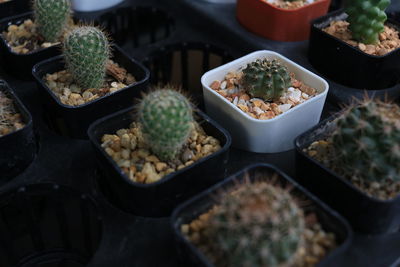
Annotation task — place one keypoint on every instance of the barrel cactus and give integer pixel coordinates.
(166, 120)
(366, 141)
(266, 79)
(86, 51)
(259, 224)
(366, 19)
(51, 17)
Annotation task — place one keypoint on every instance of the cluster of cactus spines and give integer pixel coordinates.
(266, 79)
(166, 121)
(259, 224)
(366, 141)
(86, 51)
(366, 19)
(51, 17)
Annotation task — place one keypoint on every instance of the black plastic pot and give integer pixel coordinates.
(48, 225)
(74, 121)
(160, 198)
(20, 65)
(18, 149)
(145, 25)
(366, 214)
(184, 64)
(330, 220)
(348, 65)
(13, 7)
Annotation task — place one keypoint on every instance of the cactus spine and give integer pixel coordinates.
(367, 19)
(259, 224)
(366, 141)
(51, 17)
(166, 121)
(86, 52)
(266, 79)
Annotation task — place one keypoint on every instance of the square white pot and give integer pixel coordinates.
(264, 136)
(93, 5)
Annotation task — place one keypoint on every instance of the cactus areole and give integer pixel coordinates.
(367, 19)
(51, 17)
(166, 121)
(266, 79)
(86, 51)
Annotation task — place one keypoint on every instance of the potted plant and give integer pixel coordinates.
(87, 83)
(11, 7)
(29, 38)
(358, 40)
(264, 100)
(278, 19)
(93, 5)
(17, 139)
(354, 155)
(255, 218)
(155, 158)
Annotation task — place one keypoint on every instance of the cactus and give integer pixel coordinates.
(51, 17)
(86, 51)
(259, 224)
(166, 121)
(266, 79)
(366, 19)
(366, 141)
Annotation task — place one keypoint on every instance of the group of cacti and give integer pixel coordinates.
(86, 49)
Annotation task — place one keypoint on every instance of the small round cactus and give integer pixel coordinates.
(86, 51)
(366, 141)
(166, 120)
(259, 224)
(366, 19)
(266, 79)
(51, 17)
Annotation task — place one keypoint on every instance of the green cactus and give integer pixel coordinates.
(366, 19)
(86, 51)
(166, 121)
(259, 224)
(51, 17)
(366, 141)
(266, 79)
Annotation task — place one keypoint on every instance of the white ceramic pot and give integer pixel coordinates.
(264, 136)
(93, 5)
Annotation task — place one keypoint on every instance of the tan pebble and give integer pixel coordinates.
(383, 51)
(160, 166)
(142, 153)
(207, 149)
(244, 97)
(12, 28)
(312, 153)
(189, 162)
(152, 159)
(362, 46)
(222, 92)
(170, 170)
(150, 172)
(117, 155)
(180, 167)
(185, 228)
(243, 107)
(24, 50)
(125, 154)
(230, 84)
(75, 89)
(257, 102)
(140, 177)
(112, 90)
(121, 132)
(215, 85)
(116, 144)
(109, 151)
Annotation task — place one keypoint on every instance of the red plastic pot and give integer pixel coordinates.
(279, 24)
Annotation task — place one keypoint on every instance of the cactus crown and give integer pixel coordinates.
(366, 141)
(258, 224)
(52, 17)
(86, 51)
(367, 19)
(166, 120)
(266, 79)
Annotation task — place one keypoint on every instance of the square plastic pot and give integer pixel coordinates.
(20, 65)
(18, 148)
(160, 198)
(13, 7)
(330, 220)
(348, 65)
(279, 24)
(366, 214)
(264, 136)
(74, 121)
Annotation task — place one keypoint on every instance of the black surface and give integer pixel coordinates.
(137, 241)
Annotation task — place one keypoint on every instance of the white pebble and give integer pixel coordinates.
(114, 84)
(290, 89)
(235, 101)
(258, 110)
(284, 107)
(305, 96)
(223, 85)
(256, 99)
(242, 102)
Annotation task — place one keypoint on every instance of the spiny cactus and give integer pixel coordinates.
(86, 51)
(51, 17)
(366, 19)
(266, 79)
(366, 141)
(259, 224)
(166, 121)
